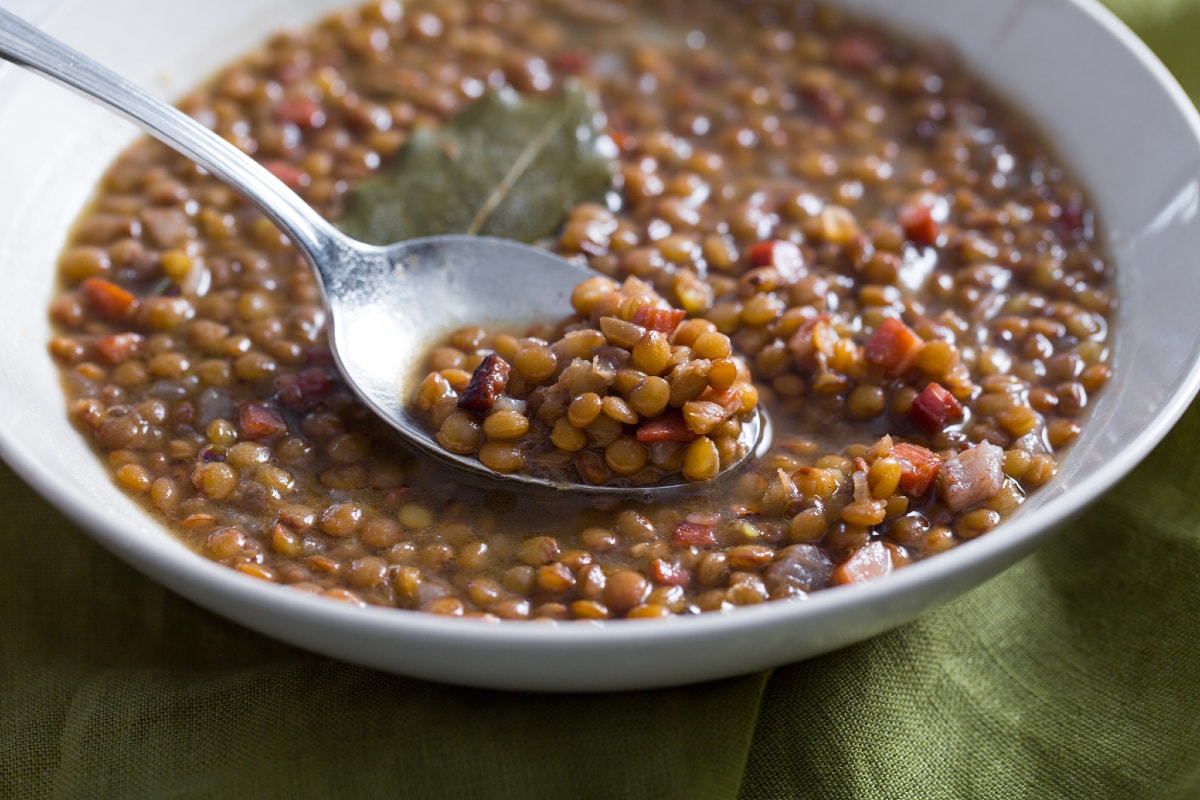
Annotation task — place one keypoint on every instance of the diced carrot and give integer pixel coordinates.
(692, 534)
(663, 320)
(259, 421)
(871, 560)
(918, 467)
(918, 223)
(784, 256)
(106, 297)
(934, 408)
(669, 573)
(118, 347)
(666, 427)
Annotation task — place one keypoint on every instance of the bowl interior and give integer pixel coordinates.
(1109, 109)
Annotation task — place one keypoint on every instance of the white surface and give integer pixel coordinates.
(1093, 88)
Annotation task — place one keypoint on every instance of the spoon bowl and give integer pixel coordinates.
(443, 283)
(387, 304)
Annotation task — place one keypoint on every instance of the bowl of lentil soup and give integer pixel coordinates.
(792, 235)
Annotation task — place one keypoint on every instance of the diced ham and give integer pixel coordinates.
(861, 51)
(292, 176)
(667, 427)
(487, 383)
(624, 140)
(828, 104)
(893, 346)
(570, 61)
(301, 112)
(971, 476)
(694, 534)
(784, 256)
(259, 421)
(918, 223)
(669, 573)
(663, 320)
(815, 337)
(872, 560)
(935, 408)
(729, 399)
(302, 391)
(919, 467)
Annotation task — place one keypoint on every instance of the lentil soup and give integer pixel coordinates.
(914, 282)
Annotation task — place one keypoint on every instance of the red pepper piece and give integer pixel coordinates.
(258, 421)
(663, 320)
(487, 383)
(111, 301)
(893, 346)
(918, 467)
(934, 408)
(666, 427)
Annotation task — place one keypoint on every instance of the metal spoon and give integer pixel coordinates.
(386, 305)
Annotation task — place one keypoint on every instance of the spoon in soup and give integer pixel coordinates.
(386, 305)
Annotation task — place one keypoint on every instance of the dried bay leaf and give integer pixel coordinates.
(507, 165)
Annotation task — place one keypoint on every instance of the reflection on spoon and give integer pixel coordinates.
(386, 304)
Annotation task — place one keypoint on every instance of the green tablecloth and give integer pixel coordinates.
(1074, 675)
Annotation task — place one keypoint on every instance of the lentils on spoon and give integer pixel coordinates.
(626, 392)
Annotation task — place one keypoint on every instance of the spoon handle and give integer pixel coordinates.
(27, 46)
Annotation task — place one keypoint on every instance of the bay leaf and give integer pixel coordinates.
(507, 165)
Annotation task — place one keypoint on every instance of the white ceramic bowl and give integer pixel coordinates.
(1104, 101)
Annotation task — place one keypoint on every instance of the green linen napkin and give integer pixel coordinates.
(1075, 674)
